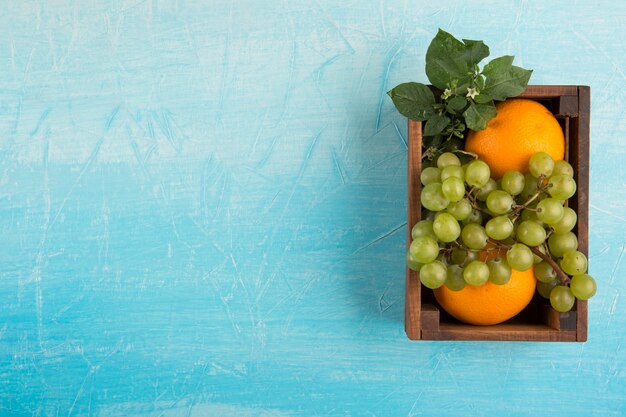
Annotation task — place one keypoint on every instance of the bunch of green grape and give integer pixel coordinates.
(522, 218)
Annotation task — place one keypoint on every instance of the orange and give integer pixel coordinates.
(489, 303)
(520, 129)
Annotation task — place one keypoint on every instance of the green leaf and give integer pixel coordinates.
(413, 100)
(478, 115)
(483, 98)
(457, 103)
(431, 141)
(503, 79)
(475, 51)
(446, 60)
(435, 125)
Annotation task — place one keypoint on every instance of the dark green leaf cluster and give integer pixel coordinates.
(465, 93)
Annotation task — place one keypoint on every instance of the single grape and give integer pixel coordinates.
(462, 257)
(520, 257)
(499, 202)
(412, 262)
(541, 164)
(476, 273)
(544, 272)
(477, 173)
(484, 191)
(452, 171)
(561, 187)
(573, 262)
(561, 299)
(460, 209)
(530, 188)
(583, 286)
(446, 159)
(567, 222)
(559, 243)
(422, 228)
(453, 188)
(544, 288)
(499, 271)
(433, 274)
(531, 233)
(550, 210)
(432, 197)
(474, 236)
(499, 227)
(454, 278)
(513, 182)
(430, 175)
(446, 227)
(424, 249)
(562, 167)
(475, 217)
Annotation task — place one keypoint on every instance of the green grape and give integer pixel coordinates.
(530, 214)
(476, 273)
(550, 211)
(446, 159)
(475, 217)
(432, 197)
(531, 233)
(559, 243)
(513, 182)
(499, 202)
(499, 271)
(544, 288)
(499, 227)
(583, 286)
(561, 187)
(477, 173)
(567, 222)
(454, 278)
(562, 167)
(520, 257)
(424, 249)
(462, 257)
(544, 272)
(433, 274)
(530, 187)
(561, 299)
(451, 171)
(422, 228)
(573, 262)
(412, 263)
(453, 188)
(446, 227)
(474, 236)
(430, 175)
(460, 209)
(485, 190)
(541, 164)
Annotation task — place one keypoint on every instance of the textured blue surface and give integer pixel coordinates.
(202, 210)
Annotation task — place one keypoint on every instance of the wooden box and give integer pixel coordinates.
(424, 320)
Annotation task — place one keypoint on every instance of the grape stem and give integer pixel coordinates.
(559, 272)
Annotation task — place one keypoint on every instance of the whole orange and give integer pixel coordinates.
(520, 129)
(489, 303)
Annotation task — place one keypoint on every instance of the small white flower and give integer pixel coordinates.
(472, 92)
(446, 93)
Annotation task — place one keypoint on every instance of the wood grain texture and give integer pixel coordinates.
(203, 210)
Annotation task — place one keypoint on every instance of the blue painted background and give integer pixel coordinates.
(202, 210)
